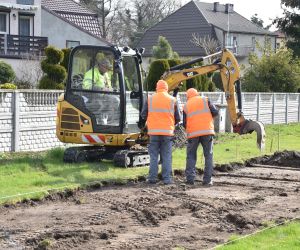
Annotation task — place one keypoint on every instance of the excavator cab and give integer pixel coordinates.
(102, 101)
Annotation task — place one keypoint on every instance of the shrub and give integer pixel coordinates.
(163, 49)
(174, 62)
(54, 55)
(217, 80)
(55, 73)
(60, 86)
(8, 86)
(272, 72)
(7, 73)
(156, 70)
(47, 83)
(65, 61)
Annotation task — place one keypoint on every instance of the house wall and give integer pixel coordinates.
(26, 69)
(14, 21)
(244, 44)
(59, 31)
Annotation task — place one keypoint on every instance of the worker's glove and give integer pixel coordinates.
(178, 125)
(141, 123)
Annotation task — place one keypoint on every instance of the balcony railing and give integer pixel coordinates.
(240, 50)
(14, 45)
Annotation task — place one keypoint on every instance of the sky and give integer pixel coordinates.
(265, 9)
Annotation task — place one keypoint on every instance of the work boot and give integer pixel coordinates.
(151, 182)
(190, 182)
(169, 182)
(207, 184)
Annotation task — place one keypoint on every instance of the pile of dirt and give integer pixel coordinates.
(228, 167)
(284, 159)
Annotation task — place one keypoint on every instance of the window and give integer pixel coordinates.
(278, 45)
(26, 2)
(72, 44)
(95, 81)
(25, 25)
(3, 23)
(253, 42)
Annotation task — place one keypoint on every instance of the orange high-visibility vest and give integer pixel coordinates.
(199, 120)
(161, 120)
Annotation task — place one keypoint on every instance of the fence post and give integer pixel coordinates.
(16, 121)
(286, 108)
(258, 107)
(273, 108)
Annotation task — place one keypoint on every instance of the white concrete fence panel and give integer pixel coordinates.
(27, 117)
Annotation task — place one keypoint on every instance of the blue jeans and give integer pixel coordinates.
(160, 145)
(191, 158)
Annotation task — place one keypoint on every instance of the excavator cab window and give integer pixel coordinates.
(94, 88)
(133, 91)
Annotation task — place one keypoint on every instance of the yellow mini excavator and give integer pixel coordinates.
(105, 116)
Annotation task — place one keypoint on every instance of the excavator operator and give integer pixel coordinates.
(100, 73)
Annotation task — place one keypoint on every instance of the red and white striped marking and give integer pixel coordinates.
(93, 138)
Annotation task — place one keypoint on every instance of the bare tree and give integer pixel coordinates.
(135, 17)
(30, 70)
(107, 12)
(208, 43)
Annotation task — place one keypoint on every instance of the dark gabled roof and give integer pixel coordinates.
(178, 29)
(237, 23)
(199, 18)
(76, 15)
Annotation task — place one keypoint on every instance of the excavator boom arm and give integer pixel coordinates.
(230, 75)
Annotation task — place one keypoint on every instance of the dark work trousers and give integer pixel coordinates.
(160, 145)
(191, 159)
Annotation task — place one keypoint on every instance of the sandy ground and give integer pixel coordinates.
(143, 216)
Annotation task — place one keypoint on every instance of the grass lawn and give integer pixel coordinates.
(23, 174)
(281, 237)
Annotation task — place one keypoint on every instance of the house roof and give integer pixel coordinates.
(199, 18)
(66, 6)
(76, 15)
(237, 23)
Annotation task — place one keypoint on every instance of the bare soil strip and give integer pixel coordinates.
(143, 216)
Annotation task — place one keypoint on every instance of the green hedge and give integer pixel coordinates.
(65, 61)
(156, 70)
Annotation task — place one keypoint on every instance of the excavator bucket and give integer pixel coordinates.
(259, 128)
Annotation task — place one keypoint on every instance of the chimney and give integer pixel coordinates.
(228, 8)
(216, 6)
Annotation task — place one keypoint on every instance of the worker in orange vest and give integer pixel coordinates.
(162, 113)
(198, 115)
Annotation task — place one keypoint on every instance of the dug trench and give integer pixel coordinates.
(138, 215)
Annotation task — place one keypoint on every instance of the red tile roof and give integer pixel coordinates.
(75, 14)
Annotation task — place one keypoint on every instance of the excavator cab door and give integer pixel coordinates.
(133, 93)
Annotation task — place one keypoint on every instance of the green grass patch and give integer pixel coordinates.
(282, 237)
(28, 173)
